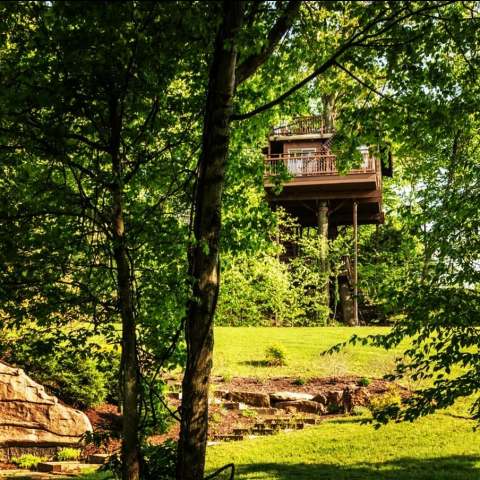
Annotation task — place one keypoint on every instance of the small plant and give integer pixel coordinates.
(275, 356)
(248, 412)
(364, 382)
(299, 381)
(68, 454)
(382, 402)
(216, 417)
(359, 411)
(159, 461)
(28, 461)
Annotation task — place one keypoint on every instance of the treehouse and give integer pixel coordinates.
(301, 175)
(301, 152)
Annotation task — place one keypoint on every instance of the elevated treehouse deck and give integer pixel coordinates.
(302, 151)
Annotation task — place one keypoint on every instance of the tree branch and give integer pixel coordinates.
(324, 67)
(366, 85)
(356, 39)
(251, 64)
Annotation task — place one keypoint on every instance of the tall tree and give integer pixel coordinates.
(204, 258)
(97, 139)
(361, 31)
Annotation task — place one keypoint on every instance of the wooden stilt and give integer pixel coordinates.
(355, 263)
(323, 251)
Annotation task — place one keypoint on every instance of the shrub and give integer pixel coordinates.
(364, 382)
(299, 381)
(386, 401)
(160, 461)
(28, 461)
(66, 454)
(276, 356)
(359, 411)
(249, 413)
(80, 375)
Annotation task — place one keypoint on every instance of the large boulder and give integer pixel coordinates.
(290, 396)
(254, 399)
(30, 417)
(306, 406)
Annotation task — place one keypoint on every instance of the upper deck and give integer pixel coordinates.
(302, 151)
(318, 168)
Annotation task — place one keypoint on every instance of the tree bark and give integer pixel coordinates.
(204, 258)
(130, 375)
(323, 253)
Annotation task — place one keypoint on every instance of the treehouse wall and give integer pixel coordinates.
(287, 146)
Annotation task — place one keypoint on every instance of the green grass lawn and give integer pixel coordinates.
(239, 351)
(440, 447)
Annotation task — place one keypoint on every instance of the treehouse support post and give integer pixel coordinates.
(323, 251)
(355, 263)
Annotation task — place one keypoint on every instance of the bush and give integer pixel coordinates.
(364, 382)
(276, 356)
(68, 454)
(299, 381)
(359, 411)
(386, 401)
(159, 461)
(256, 291)
(28, 461)
(80, 375)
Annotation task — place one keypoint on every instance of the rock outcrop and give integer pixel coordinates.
(307, 406)
(289, 396)
(29, 417)
(255, 399)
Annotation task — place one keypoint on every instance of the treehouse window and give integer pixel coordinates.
(298, 161)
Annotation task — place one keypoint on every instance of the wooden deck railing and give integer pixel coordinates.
(303, 126)
(308, 164)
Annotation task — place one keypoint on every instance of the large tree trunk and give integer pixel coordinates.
(130, 375)
(204, 259)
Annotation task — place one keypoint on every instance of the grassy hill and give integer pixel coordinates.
(240, 351)
(440, 447)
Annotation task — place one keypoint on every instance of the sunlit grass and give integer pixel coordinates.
(443, 446)
(240, 351)
(439, 447)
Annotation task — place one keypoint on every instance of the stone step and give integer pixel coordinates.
(220, 393)
(228, 438)
(241, 431)
(65, 467)
(273, 421)
(311, 421)
(266, 410)
(263, 431)
(24, 475)
(99, 458)
(174, 395)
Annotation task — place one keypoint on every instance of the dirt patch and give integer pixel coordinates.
(106, 421)
(105, 417)
(224, 421)
(312, 386)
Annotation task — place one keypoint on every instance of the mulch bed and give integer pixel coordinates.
(106, 418)
(312, 386)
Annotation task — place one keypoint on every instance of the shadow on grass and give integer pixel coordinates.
(255, 363)
(457, 467)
